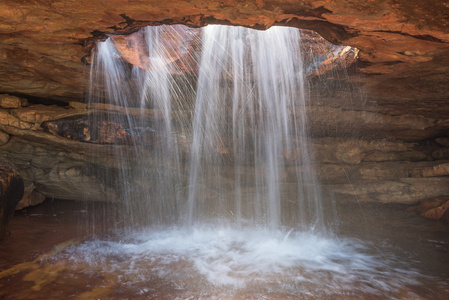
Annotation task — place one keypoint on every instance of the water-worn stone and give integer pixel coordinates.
(355, 151)
(98, 128)
(77, 105)
(435, 208)
(11, 191)
(403, 190)
(30, 197)
(9, 120)
(43, 55)
(337, 121)
(403, 95)
(180, 42)
(441, 154)
(37, 113)
(60, 174)
(4, 138)
(8, 101)
(443, 142)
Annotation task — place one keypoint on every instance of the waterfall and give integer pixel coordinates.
(140, 99)
(250, 115)
(205, 140)
(247, 159)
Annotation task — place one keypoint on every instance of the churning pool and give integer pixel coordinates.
(376, 252)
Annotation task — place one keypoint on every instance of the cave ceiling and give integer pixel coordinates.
(404, 44)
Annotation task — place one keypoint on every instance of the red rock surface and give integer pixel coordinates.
(179, 44)
(404, 45)
(436, 208)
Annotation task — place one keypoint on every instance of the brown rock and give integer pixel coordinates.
(443, 142)
(24, 102)
(30, 196)
(326, 120)
(11, 191)
(77, 105)
(8, 101)
(403, 44)
(437, 212)
(435, 208)
(404, 190)
(349, 153)
(63, 174)
(395, 156)
(428, 204)
(438, 170)
(36, 114)
(445, 217)
(355, 151)
(99, 128)
(441, 154)
(9, 120)
(179, 42)
(4, 138)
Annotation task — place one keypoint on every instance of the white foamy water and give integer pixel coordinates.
(234, 259)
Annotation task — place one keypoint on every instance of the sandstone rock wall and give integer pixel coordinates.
(361, 163)
(388, 144)
(403, 45)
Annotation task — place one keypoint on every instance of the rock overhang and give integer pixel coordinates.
(403, 45)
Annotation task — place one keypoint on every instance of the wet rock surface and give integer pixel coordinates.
(101, 128)
(58, 159)
(387, 144)
(435, 208)
(403, 45)
(11, 192)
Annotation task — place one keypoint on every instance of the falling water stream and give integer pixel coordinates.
(249, 112)
(246, 130)
(219, 195)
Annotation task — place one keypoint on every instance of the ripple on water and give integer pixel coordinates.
(226, 261)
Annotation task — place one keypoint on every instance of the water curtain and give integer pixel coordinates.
(216, 123)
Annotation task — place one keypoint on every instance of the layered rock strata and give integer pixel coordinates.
(58, 158)
(388, 144)
(434, 208)
(403, 45)
(11, 191)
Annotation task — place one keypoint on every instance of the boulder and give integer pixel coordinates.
(435, 208)
(11, 191)
(30, 197)
(443, 142)
(8, 101)
(4, 138)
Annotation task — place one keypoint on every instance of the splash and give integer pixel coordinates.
(214, 171)
(230, 135)
(226, 261)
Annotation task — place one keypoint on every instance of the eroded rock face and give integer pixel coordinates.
(181, 46)
(8, 101)
(387, 144)
(11, 191)
(67, 163)
(98, 128)
(435, 208)
(403, 45)
(31, 197)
